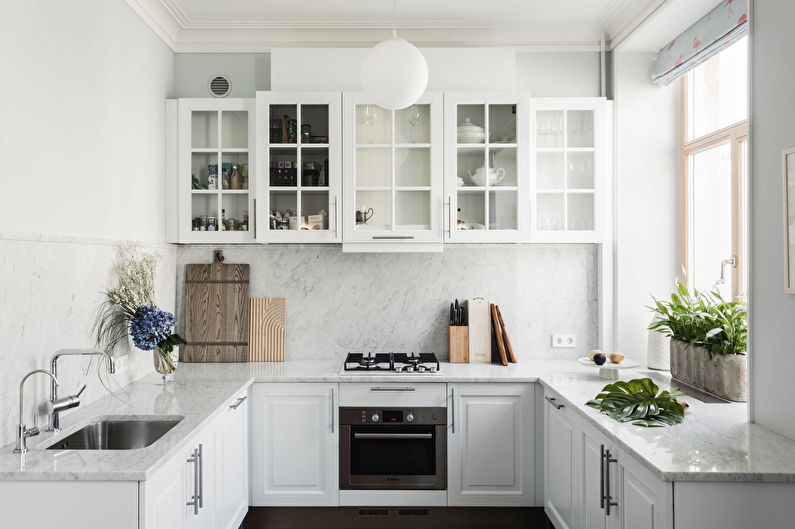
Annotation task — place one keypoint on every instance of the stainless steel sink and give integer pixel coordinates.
(117, 434)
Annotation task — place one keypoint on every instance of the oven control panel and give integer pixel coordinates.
(352, 415)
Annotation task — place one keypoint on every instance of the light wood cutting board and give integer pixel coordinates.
(216, 313)
(266, 341)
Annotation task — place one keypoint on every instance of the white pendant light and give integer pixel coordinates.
(394, 74)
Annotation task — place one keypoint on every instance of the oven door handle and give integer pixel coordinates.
(382, 388)
(393, 435)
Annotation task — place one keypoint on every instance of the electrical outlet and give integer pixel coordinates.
(120, 363)
(564, 340)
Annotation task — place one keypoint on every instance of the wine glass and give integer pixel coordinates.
(370, 115)
(414, 119)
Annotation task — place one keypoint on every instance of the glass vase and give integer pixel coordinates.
(165, 363)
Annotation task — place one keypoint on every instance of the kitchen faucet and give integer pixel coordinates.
(71, 401)
(23, 432)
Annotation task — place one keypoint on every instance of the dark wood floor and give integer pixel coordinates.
(395, 518)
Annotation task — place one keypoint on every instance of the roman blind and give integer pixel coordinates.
(725, 24)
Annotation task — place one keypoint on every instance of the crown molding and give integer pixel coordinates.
(170, 23)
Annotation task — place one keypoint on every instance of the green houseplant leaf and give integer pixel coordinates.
(639, 401)
(703, 319)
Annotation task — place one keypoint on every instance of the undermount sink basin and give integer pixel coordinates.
(117, 434)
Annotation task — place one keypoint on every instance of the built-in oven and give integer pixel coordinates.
(393, 448)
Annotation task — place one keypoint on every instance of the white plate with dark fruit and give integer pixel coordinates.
(608, 364)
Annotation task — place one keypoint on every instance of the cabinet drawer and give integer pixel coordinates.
(393, 394)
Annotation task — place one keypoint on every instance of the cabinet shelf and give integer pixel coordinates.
(493, 145)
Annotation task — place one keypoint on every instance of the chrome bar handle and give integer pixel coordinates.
(392, 237)
(239, 402)
(358, 435)
(195, 501)
(552, 400)
(602, 477)
(609, 503)
(452, 406)
(336, 219)
(332, 409)
(201, 476)
(382, 388)
(449, 216)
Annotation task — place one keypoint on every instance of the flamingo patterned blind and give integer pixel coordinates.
(725, 24)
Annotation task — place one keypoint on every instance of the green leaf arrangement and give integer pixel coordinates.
(703, 319)
(638, 401)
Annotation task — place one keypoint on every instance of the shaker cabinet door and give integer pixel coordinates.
(490, 445)
(294, 449)
(560, 464)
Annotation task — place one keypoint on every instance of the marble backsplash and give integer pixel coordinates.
(50, 290)
(338, 302)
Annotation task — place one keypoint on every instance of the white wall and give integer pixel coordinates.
(83, 134)
(82, 137)
(772, 334)
(647, 197)
(545, 74)
(248, 72)
(559, 74)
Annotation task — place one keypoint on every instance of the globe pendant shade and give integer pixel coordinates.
(394, 74)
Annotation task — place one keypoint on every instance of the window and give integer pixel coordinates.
(714, 169)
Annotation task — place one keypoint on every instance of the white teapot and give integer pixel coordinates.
(478, 178)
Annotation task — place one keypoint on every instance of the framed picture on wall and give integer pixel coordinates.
(788, 165)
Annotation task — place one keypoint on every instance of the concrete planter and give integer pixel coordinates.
(725, 376)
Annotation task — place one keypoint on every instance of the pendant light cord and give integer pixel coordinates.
(394, 11)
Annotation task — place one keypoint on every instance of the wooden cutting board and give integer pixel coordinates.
(216, 313)
(266, 341)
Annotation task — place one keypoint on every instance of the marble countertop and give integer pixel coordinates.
(715, 442)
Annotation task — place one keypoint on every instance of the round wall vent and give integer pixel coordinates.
(220, 86)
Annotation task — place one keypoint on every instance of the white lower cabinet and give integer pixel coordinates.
(294, 449)
(206, 486)
(592, 484)
(231, 465)
(560, 463)
(490, 445)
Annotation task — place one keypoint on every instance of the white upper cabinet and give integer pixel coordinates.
(212, 156)
(486, 172)
(570, 161)
(298, 139)
(393, 175)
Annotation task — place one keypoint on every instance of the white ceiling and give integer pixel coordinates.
(259, 25)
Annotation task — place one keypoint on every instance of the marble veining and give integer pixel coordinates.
(339, 302)
(50, 290)
(715, 443)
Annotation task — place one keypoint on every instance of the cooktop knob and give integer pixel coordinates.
(410, 418)
(398, 369)
(409, 368)
(421, 369)
(375, 417)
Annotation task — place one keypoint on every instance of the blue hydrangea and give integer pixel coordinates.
(151, 327)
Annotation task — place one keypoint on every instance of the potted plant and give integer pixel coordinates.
(709, 341)
(129, 310)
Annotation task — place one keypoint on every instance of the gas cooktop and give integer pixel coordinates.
(372, 362)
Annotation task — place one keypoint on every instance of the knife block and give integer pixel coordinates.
(459, 343)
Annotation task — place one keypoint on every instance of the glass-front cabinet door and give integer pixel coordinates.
(486, 166)
(393, 175)
(298, 141)
(216, 170)
(570, 139)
